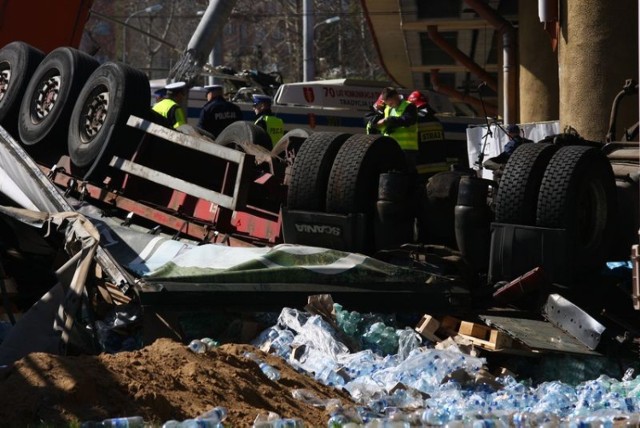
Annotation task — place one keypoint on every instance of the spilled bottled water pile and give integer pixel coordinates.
(399, 380)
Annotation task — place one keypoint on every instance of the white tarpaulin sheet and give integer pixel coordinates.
(165, 259)
(158, 258)
(497, 139)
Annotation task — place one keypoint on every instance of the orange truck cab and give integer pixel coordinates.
(43, 24)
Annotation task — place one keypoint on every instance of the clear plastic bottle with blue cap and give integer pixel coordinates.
(197, 346)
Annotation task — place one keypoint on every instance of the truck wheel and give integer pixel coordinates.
(242, 133)
(518, 191)
(48, 102)
(98, 127)
(18, 62)
(578, 193)
(354, 178)
(310, 174)
(436, 223)
(295, 137)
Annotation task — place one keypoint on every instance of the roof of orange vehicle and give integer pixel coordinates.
(44, 24)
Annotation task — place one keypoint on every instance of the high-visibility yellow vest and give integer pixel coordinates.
(275, 127)
(172, 111)
(406, 136)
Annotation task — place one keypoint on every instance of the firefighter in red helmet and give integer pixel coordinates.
(429, 126)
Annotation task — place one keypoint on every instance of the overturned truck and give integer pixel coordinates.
(564, 204)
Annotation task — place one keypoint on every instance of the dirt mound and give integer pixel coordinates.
(160, 382)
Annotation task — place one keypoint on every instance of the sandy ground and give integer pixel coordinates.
(163, 381)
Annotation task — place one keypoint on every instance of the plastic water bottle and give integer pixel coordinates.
(628, 375)
(91, 424)
(218, 414)
(288, 423)
(197, 346)
(265, 420)
(209, 343)
(126, 422)
(271, 372)
(198, 423)
(338, 421)
(309, 397)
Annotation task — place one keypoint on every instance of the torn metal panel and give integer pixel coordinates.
(538, 335)
(49, 324)
(568, 317)
(45, 196)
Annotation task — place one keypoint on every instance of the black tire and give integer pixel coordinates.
(98, 127)
(311, 169)
(354, 178)
(242, 133)
(578, 193)
(295, 137)
(517, 196)
(18, 62)
(49, 99)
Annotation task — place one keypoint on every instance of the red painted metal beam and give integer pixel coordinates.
(185, 227)
(461, 57)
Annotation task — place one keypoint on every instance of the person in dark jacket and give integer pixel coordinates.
(217, 113)
(497, 163)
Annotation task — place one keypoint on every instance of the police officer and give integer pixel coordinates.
(400, 123)
(217, 113)
(170, 107)
(273, 125)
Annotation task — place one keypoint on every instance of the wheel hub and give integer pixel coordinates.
(96, 114)
(47, 97)
(5, 79)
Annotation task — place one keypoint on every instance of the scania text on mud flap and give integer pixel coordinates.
(318, 229)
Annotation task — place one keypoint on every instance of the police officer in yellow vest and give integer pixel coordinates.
(274, 126)
(400, 122)
(170, 107)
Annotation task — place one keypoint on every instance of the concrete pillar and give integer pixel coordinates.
(598, 50)
(539, 98)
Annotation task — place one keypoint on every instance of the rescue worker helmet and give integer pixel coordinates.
(418, 99)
